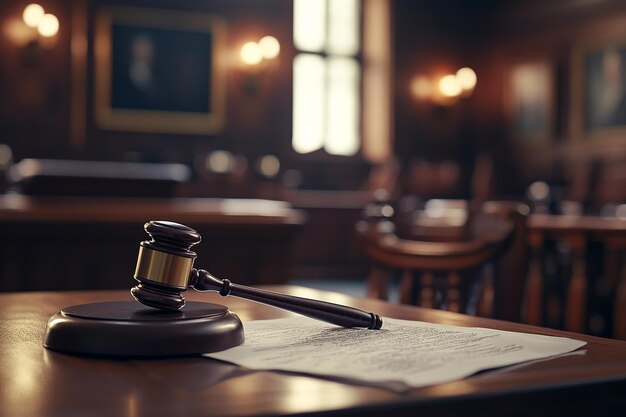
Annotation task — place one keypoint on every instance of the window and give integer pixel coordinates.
(327, 76)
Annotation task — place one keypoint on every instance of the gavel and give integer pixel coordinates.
(165, 270)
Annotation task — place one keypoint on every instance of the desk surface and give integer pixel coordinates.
(15, 207)
(38, 382)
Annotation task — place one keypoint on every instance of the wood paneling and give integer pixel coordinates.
(36, 92)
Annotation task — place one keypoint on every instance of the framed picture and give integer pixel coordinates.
(529, 95)
(599, 88)
(159, 71)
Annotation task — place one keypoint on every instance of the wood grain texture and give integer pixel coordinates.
(54, 243)
(38, 382)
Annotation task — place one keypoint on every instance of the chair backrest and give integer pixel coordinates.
(453, 275)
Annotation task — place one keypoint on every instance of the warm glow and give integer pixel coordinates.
(32, 15)
(270, 47)
(326, 93)
(269, 166)
(309, 24)
(220, 162)
(251, 53)
(376, 100)
(466, 78)
(17, 31)
(342, 111)
(343, 27)
(421, 87)
(539, 190)
(449, 86)
(48, 26)
(309, 101)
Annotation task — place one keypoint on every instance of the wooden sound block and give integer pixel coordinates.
(129, 329)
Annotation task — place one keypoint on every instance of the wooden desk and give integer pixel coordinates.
(92, 243)
(41, 383)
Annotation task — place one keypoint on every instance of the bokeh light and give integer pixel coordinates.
(48, 26)
(32, 15)
(220, 162)
(270, 47)
(269, 166)
(449, 86)
(251, 53)
(466, 77)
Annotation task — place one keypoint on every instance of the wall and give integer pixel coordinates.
(557, 33)
(36, 94)
(491, 37)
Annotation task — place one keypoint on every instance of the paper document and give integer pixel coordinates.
(410, 352)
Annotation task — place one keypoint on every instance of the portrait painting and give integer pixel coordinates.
(159, 71)
(604, 87)
(530, 99)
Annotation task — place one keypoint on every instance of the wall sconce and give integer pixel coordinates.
(46, 24)
(35, 31)
(255, 57)
(446, 89)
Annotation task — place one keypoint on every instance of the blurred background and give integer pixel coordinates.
(272, 125)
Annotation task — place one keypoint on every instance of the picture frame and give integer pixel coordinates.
(598, 91)
(530, 101)
(159, 71)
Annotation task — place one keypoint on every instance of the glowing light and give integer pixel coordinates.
(6, 156)
(466, 78)
(251, 53)
(270, 47)
(17, 31)
(309, 100)
(539, 190)
(269, 166)
(32, 15)
(220, 162)
(343, 27)
(421, 87)
(449, 86)
(342, 115)
(387, 211)
(48, 26)
(309, 24)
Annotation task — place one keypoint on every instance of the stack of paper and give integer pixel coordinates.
(407, 352)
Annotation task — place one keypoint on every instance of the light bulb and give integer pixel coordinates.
(270, 47)
(251, 53)
(449, 86)
(466, 78)
(48, 25)
(32, 15)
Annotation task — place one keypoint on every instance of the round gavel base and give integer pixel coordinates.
(129, 329)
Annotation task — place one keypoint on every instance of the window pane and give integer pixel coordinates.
(343, 27)
(343, 106)
(308, 102)
(309, 25)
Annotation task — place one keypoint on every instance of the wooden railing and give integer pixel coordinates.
(577, 273)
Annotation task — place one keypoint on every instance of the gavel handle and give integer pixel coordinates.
(337, 314)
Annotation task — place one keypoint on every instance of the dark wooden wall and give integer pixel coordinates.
(555, 31)
(35, 97)
(490, 36)
(37, 89)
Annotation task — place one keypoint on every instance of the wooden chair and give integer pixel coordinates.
(450, 275)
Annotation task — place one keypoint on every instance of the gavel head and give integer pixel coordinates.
(164, 265)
